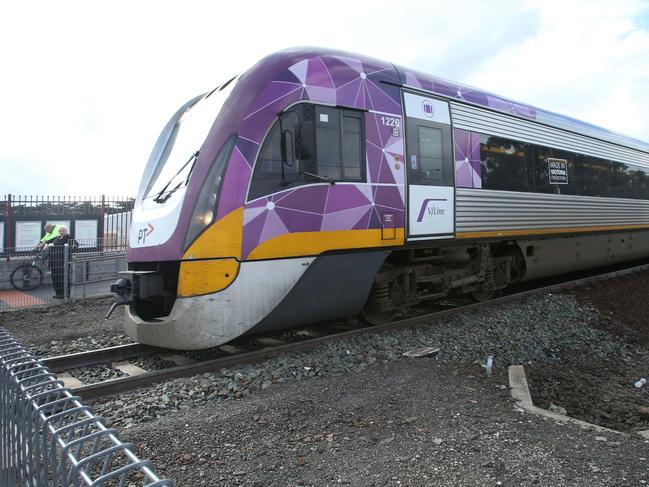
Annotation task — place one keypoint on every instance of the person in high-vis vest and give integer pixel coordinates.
(51, 234)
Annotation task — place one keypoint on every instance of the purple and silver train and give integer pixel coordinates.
(323, 184)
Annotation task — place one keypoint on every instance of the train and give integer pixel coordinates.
(322, 184)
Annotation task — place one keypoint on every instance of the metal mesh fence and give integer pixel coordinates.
(30, 280)
(98, 228)
(48, 437)
(99, 223)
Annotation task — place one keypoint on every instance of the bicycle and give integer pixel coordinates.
(27, 277)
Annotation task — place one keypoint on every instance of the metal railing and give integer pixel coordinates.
(28, 280)
(48, 437)
(100, 223)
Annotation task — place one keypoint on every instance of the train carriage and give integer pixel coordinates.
(322, 184)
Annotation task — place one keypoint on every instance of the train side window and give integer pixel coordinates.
(620, 186)
(339, 143)
(597, 175)
(639, 181)
(320, 143)
(352, 145)
(328, 143)
(431, 153)
(510, 165)
(504, 164)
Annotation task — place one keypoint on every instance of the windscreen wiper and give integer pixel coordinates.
(320, 177)
(164, 195)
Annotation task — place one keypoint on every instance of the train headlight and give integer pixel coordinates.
(205, 206)
(207, 218)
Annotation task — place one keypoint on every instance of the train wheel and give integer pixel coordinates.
(374, 317)
(380, 293)
(482, 296)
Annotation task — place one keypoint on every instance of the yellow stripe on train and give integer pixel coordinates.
(314, 243)
(222, 239)
(198, 277)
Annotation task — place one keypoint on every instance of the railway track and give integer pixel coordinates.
(271, 347)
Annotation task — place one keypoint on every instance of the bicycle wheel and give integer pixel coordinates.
(26, 277)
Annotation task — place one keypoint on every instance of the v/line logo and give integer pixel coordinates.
(431, 210)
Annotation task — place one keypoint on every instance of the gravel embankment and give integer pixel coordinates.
(536, 332)
(416, 422)
(357, 412)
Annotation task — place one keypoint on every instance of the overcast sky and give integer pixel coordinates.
(86, 86)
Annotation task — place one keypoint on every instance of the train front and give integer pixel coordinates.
(244, 222)
(177, 251)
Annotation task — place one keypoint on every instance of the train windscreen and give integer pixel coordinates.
(181, 150)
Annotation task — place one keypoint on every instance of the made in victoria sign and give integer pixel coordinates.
(558, 171)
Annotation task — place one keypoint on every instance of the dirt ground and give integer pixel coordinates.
(415, 422)
(597, 389)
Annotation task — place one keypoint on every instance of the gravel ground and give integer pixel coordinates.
(358, 412)
(596, 387)
(416, 422)
(66, 328)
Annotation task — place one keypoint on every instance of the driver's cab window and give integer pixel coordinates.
(310, 144)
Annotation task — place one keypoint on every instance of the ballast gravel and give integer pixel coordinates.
(357, 412)
(96, 373)
(61, 329)
(532, 332)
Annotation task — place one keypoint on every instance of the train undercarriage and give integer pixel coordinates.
(412, 276)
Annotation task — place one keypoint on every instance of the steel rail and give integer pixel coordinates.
(123, 384)
(93, 357)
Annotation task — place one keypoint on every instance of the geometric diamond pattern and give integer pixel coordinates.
(468, 170)
(336, 80)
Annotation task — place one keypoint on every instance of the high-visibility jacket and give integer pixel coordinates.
(51, 235)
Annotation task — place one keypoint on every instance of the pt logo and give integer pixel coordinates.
(432, 210)
(428, 108)
(143, 233)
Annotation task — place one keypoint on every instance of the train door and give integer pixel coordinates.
(429, 159)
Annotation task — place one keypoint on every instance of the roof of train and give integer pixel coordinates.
(463, 93)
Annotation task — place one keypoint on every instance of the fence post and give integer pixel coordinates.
(66, 272)
(102, 213)
(8, 226)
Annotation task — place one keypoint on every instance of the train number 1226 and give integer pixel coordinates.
(391, 121)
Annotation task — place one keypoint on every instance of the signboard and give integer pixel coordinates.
(85, 232)
(558, 171)
(28, 234)
(431, 210)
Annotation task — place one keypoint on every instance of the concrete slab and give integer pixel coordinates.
(519, 387)
(178, 359)
(128, 368)
(232, 350)
(68, 380)
(521, 394)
